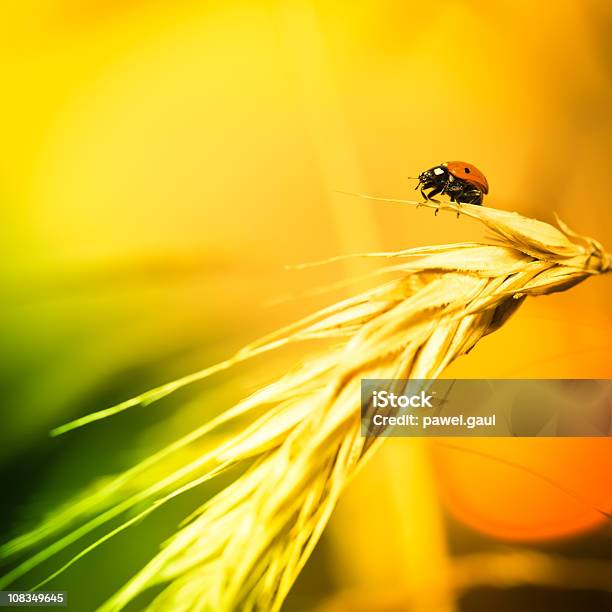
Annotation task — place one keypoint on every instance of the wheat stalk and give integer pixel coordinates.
(244, 548)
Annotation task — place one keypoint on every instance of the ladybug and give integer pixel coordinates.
(462, 182)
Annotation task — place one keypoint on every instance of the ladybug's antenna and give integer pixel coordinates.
(415, 178)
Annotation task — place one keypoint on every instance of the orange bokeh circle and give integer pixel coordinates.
(525, 489)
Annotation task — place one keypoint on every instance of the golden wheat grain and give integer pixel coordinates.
(244, 547)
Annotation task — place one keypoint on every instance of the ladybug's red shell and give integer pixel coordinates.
(468, 173)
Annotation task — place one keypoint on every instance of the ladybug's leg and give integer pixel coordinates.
(429, 196)
(448, 189)
(434, 192)
(456, 190)
(470, 196)
(474, 197)
(424, 196)
(458, 197)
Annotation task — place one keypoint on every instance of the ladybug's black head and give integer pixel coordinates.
(433, 176)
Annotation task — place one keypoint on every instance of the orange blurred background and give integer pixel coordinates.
(163, 161)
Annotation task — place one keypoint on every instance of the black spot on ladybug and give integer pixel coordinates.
(467, 170)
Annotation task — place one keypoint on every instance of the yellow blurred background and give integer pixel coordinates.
(162, 162)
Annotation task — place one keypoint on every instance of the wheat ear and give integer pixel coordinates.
(244, 548)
